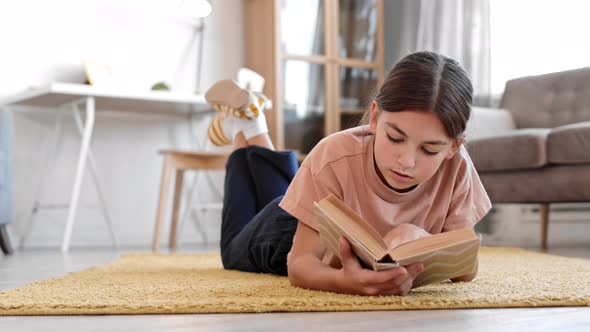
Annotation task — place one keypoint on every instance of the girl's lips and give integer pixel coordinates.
(401, 177)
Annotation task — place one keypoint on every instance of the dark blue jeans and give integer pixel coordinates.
(256, 234)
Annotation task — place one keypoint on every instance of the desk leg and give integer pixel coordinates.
(96, 178)
(87, 135)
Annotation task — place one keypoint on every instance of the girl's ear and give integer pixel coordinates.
(373, 116)
(456, 145)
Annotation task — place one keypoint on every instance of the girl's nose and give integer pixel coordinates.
(407, 159)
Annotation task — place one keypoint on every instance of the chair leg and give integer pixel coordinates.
(544, 225)
(176, 208)
(164, 184)
(5, 241)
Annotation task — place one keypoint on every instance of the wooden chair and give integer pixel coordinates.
(178, 162)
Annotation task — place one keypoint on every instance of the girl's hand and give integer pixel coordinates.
(360, 281)
(404, 233)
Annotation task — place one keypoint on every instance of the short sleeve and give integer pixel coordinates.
(305, 189)
(469, 202)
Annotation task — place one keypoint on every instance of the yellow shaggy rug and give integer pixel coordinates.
(196, 283)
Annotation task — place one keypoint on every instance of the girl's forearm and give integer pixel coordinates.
(307, 271)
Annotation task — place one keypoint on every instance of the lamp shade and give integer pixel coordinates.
(196, 8)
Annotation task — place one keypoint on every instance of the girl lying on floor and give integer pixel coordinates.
(406, 172)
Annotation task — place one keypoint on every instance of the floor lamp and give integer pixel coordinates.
(198, 9)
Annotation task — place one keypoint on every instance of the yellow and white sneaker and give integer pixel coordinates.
(239, 111)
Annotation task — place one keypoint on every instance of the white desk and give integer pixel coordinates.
(58, 94)
(66, 95)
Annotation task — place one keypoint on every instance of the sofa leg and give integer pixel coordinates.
(4, 241)
(544, 225)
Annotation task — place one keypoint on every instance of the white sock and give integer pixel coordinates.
(225, 127)
(233, 125)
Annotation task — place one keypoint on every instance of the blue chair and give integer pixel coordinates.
(6, 176)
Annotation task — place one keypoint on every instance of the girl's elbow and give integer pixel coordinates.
(294, 280)
(292, 272)
(292, 275)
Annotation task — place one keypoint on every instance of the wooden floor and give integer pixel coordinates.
(25, 267)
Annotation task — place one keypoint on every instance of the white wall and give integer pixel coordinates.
(144, 42)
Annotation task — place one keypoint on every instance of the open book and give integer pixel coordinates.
(446, 255)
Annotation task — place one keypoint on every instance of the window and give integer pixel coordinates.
(532, 37)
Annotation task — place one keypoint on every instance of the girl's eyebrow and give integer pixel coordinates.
(396, 128)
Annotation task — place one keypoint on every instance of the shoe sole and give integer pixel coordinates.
(227, 92)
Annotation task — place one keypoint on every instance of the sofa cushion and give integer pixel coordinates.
(487, 121)
(569, 144)
(518, 149)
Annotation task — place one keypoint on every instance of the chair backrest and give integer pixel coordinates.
(549, 100)
(6, 165)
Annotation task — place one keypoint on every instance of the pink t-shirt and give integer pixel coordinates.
(342, 164)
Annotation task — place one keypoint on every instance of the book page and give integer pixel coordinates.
(431, 242)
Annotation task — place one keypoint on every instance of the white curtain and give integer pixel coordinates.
(459, 29)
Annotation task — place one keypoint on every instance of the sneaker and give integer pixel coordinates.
(227, 96)
(239, 111)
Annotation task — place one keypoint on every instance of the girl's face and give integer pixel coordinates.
(409, 146)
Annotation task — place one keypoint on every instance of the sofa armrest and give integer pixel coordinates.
(486, 122)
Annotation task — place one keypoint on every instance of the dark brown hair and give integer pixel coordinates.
(427, 81)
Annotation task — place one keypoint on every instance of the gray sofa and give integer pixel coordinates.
(542, 154)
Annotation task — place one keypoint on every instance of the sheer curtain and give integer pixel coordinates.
(459, 29)
(550, 39)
